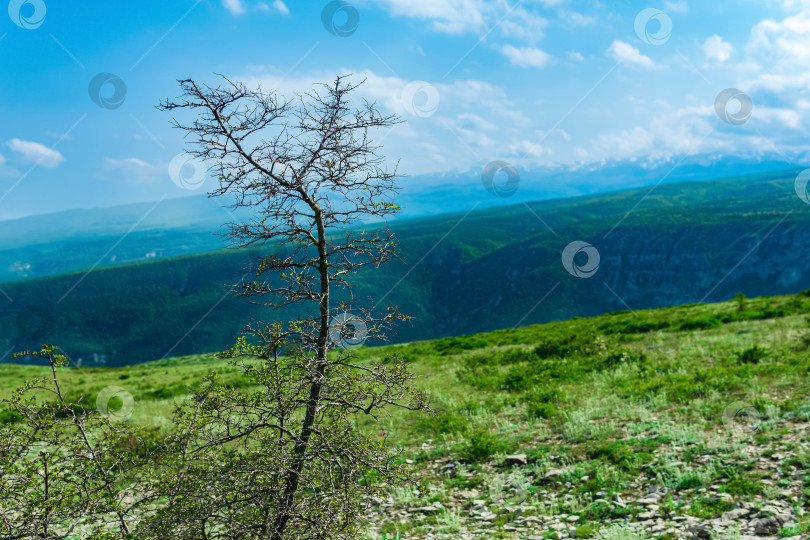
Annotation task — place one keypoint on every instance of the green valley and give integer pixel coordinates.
(458, 274)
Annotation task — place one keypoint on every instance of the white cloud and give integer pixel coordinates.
(788, 118)
(387, 91)
(526, 56)
(474, 122)
(472, 129)
(574, 55)
(36, 153)
(6, 170)
(236, 7)
(543, 134)
(478, 118)
(133, 169)
(669, 132)
(786, 41)
(462, 16)
(126, 162)
(450, 16)
(281, 7)
(625, 143)
(529, 149)
(778, 83)
(473, 117)
(577, 19)
(679, 6)
(624, 52)
(547, 3)
(523, 25)
(795, 4)
(717, 50)
(782, 48)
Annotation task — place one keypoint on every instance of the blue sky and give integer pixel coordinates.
(573, 85)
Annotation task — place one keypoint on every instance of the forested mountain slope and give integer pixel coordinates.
(460, 273)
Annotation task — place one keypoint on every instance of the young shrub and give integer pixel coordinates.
(752, 355)
(481, 446)
(700, 323)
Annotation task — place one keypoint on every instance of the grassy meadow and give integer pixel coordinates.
(705, 406)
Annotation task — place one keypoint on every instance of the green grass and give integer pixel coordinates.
(574, 380)
(615, 402)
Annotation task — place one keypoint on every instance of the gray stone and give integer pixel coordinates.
(519, 460)
(736, 514)
(766, 526)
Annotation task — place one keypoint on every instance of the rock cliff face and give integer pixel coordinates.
(695, 265)
(640, 267)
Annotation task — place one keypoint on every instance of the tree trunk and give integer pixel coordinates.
(300, 450)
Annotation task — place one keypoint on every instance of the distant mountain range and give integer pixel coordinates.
(53, 244)
(461, 272)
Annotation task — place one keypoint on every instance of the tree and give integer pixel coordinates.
(285, 460)
(279, 455)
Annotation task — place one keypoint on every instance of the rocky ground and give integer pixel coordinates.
(516, 498)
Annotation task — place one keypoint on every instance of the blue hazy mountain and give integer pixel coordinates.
(461, 272)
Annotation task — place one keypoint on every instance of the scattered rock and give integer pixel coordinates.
(516, 459)
(700, 531)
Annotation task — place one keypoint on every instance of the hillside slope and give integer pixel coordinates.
(460, 273)
(682, 422)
